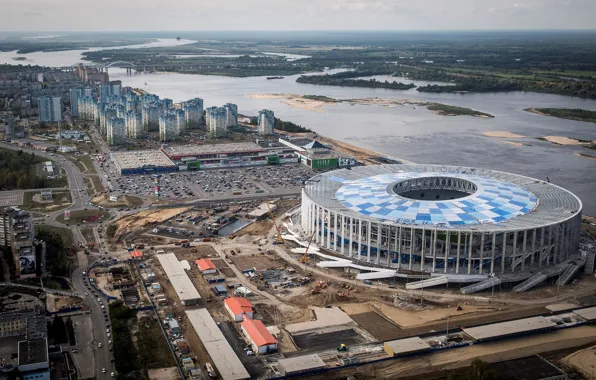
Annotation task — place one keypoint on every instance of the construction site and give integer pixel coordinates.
(283, 305)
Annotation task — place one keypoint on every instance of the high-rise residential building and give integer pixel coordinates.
(150, 114)
(168, 128)
(180, 121)
(16, 232)
(266, 122)
(50, 109)
(120, 110)
(231, 115)
(194, 112)
(105, 90)
(116, 131)
(217, 120)
(167, 103)
(75, 95)
(87, 107)
(133, 105)
(134, 124)
(88, 92)
(106, 115)
(116, 88)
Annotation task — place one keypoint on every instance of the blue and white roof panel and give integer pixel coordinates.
(494, 201)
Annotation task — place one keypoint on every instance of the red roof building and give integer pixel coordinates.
(258, 335)
(238, 307)
(206, 266)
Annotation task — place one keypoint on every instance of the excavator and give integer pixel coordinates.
(280, 240)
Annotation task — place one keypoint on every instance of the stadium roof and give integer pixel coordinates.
(518, 326)
(184, 288)
(497, 201)
(223, 356)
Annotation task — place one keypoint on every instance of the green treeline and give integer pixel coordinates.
(57, 261)
(343, 79)
(17, 171)
(286, 126)
(126, 355)
(567, 113)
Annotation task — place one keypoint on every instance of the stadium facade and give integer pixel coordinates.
(435, 219)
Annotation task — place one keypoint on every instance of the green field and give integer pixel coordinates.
(79, 217)
(65, 233)
(61, 200)
(447, 110)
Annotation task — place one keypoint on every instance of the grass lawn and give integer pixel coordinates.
(61, 200)
(124, 201)
(97, 184)
(80, 216)
(65, 233)
(88, 162)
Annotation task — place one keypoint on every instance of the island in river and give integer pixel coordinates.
(316, 103)
(566, 113)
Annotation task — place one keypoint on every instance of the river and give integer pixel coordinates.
(408, 132)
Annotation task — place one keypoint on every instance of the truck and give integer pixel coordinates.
(210, 370)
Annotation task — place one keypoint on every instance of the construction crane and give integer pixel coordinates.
(279, 238)
(304, 258)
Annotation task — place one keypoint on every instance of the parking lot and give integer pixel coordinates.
(11, 198)
(212, 183)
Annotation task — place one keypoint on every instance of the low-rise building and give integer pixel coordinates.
(259, 337)
(206, 266)
(33, 362)
(239, 308)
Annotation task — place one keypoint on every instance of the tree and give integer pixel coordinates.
(57, 331)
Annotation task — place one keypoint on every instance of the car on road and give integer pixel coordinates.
(98, 299)
(112, 374)
(103, 370)
(99, 345)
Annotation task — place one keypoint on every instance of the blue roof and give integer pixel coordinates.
(494, 201)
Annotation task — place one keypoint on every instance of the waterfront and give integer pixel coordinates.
(410, 132)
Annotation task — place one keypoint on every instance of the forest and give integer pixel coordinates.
(18, 171)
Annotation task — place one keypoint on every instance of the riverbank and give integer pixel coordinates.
(316, 103)
(566, 113)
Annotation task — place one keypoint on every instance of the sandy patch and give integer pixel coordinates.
(561, 140)
(584, 360)
(584, 155)
(503, 135)
(405, 318)
(514, 143)
(170, 373)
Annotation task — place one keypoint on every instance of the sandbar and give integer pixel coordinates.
(503, 135)
(562, 140)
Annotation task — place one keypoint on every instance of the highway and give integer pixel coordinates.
(80, 201)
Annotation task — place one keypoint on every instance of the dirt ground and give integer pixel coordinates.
(170, 373)
(139, 220)
(584, 360)
(260, 262)
(123, 201)
(589, 224)
(259, 229)
(461, 357)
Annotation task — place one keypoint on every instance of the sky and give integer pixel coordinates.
(196, 15)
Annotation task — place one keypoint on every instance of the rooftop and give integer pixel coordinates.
(517, 326)
(258, 332)
(33, 351)
(262, 209)
(588, 314)
(223, 356)
(301, 363)
(238, 305)
(205, 264)
(408, 345)
(495, 200)
(182, 285)
(211, 149)
(141, 158)
(528, 368)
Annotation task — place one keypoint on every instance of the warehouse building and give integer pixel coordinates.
(300, 365)
(223, 356)
(259, 337)
(238, 308)
(186, 291)
(513, 328)
(206, 266)
(404, 347)
(142, 162)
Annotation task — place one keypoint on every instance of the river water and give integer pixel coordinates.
(408, 132)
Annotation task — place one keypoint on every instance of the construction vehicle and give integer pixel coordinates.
(279, 238)
(304, 258)
(342, 347)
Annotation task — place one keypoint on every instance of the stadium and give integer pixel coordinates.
(456, 224)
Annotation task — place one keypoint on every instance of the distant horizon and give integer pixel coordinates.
(40, 32)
